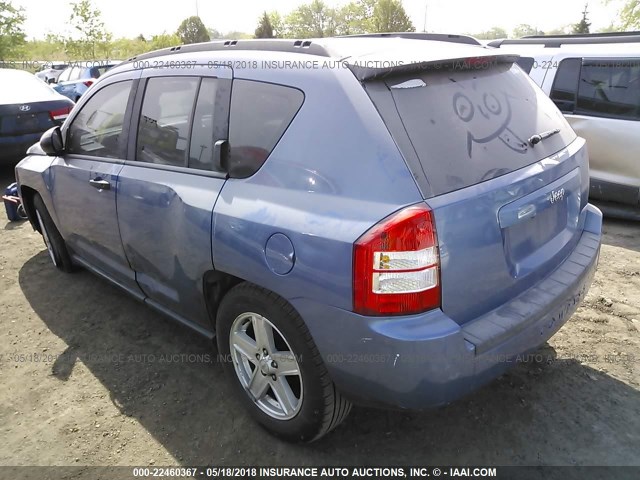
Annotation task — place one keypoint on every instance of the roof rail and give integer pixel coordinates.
(270, 45)
(308, 46)
(556, 41)
(440, 37)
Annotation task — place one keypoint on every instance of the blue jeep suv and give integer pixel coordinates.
(369, 220)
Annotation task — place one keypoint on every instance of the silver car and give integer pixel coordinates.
(595, 82)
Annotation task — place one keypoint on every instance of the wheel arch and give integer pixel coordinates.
(216, 284)
(27, 194)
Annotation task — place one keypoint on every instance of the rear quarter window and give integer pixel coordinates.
(260, 114)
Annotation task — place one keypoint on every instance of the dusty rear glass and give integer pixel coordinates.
(470, 125)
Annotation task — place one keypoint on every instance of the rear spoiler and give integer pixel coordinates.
(366, 70)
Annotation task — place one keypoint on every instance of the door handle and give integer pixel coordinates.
(100, 184)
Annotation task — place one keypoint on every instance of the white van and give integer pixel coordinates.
(595, 81)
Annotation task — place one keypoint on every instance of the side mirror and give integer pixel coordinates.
(51, 142)
(51, 80)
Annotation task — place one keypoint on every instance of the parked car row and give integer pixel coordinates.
(51, 71)
(76, 80)
(394, 233)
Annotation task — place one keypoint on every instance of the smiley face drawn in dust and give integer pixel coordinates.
(487, 116)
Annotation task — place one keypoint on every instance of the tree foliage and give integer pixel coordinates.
(312, 20)
(583, 25)
(88, 38)
(12, 36)
(277, 24)
(192, 30)
(355, 18)
(264, 30)
(214, 34)
(524, 30)
(630, 16)
(316, 19)
(165, 40)
(390, 16)
(491, 34)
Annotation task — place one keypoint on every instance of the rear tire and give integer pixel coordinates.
(54, 242)
(275, 367)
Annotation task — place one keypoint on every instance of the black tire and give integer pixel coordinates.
(52, 239)
(322, 406)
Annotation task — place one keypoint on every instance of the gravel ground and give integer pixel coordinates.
(83, 383)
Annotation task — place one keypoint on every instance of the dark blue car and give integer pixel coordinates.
(379, 221)
(28, 108)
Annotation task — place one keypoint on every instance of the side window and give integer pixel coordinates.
(260, 114)
(525, 63)
(97, 128)
(210, 108)
(163, 132)
(565, 85)
(610, 89)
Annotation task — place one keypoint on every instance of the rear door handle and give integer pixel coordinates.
(100, 184)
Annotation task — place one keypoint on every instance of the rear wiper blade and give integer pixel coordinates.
(538, 137)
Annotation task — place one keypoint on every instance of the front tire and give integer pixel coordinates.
(54, 242)
(275, 367)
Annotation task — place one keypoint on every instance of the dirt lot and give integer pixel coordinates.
(82, 384)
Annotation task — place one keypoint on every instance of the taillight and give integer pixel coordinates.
(60, 114)
(396, 265)
(88, 83)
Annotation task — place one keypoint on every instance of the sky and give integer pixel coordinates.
(129, 18)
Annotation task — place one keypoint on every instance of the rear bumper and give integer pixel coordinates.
(14, 149)
(427, 360)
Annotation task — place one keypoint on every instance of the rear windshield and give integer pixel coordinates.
(469, 126)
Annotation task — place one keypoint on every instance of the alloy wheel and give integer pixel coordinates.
(266, 366)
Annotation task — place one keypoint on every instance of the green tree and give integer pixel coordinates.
(524, 30)
(165, 40)
(235, 35)
(492, 34)
(192, 30)
(12, 37)
(51, 48)
(560, 30)
(609, 29)
(390, 16)
(277, 24)
(313, 20)
(354, 18)
(583, 25)
(264, 30)
(129, 47)
(89, 37)
(213, 33)
(630, 16)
